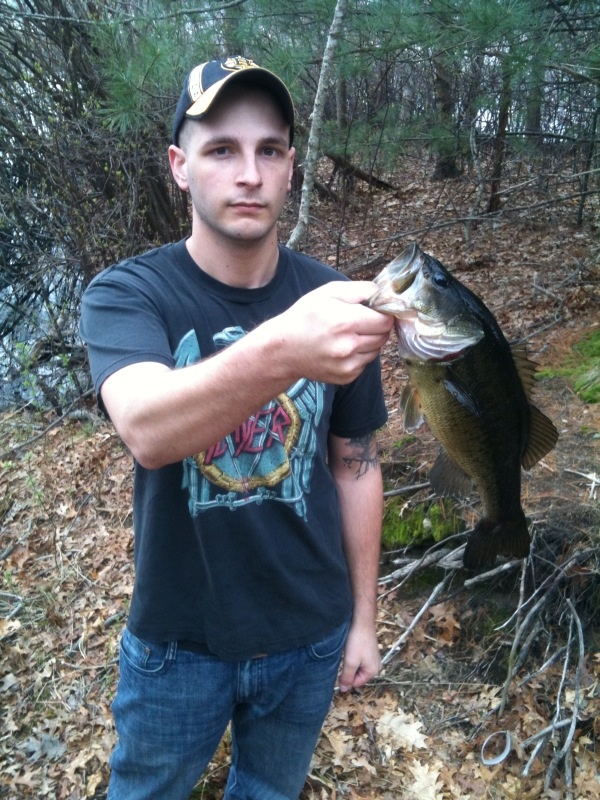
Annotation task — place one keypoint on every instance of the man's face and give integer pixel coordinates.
(237, 165)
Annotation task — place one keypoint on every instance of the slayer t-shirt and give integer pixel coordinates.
(238, 548)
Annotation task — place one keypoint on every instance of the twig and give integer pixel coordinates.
(553, 579)
(413, 565)
(538, 288)
(438, 555)
(513, 650)
(542, 328)
(430, 601)
(18, 603)
(545, 731)
(474, 210)
(17, 448)
(563, 753)
(485, 576)
(526, 647)
(554, 657)
(593, 477)
(406, 489)
(9, 548)
(533, 756)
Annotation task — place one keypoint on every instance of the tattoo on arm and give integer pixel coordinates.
(362, 454)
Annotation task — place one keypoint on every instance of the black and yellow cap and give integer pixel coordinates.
(205, 82)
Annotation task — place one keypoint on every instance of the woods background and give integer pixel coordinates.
(469, 126)
(469, 88)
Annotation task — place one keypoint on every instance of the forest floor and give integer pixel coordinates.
(513, 655)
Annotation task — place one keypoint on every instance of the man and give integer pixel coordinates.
(244, 379)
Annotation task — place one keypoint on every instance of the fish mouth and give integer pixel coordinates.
(396, 278)
(429, 324)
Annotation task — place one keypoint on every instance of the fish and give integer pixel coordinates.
(473, 390)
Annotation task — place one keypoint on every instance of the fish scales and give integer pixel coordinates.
(472, 389)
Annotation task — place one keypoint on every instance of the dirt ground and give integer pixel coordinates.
(472, 667)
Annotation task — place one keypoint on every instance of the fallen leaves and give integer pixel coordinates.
(62, 578)
(417, 732)
(399, 731)
(426, 784)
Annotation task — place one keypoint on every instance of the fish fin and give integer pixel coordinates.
(489, 538)
(461, 393)
(542, 437)
(410, 405)
(447, 478)
(526, 368)
(542, 431)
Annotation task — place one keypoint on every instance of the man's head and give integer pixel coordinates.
(205, 83)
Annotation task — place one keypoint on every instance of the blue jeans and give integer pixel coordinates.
(173, 706)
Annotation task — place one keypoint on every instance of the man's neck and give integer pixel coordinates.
(247, 265)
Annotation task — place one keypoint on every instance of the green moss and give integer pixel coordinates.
(581, 368)
(403, 441)
(404, 525)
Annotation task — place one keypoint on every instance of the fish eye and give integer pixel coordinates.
(440, 279)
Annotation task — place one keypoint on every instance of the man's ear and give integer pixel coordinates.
(178, 162)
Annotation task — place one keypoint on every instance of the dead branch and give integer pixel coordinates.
(529, 622)
(513, 650)
(474, 211)
(484, 577)
(25, 445)
(548, 663)
(348, 168)
(564, 752)
(12, 601)
(428, 603)
(440, 556)
(407, 489)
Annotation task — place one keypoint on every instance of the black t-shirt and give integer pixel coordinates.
(238, 548)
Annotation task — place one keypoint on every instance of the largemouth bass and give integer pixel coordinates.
(473, 389)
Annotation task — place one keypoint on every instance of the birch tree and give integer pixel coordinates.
(318, 112)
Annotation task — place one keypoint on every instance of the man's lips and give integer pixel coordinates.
(248, 206)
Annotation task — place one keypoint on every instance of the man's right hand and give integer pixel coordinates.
(329, 335)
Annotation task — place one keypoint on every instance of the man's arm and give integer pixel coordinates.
(165, 415)
(355, 467)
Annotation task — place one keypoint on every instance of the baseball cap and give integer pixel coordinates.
(205, 82)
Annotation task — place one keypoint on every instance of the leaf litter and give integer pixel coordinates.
(472, 662)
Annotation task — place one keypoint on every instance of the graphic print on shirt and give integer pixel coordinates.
(267, 458)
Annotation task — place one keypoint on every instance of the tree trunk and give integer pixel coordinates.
(589, 161)
(316, 127)
(445, 165)
(500, 142)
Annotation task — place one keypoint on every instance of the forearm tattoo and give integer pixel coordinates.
(363, 454)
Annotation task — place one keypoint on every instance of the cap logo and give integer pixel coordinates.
(195, 83)
(238, 62)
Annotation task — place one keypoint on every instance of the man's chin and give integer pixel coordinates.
(251, 232)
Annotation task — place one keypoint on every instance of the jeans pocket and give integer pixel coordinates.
(146, 658)
(331, 644)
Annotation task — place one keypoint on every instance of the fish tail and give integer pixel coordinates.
(491, 537)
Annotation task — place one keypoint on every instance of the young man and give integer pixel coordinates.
(244, 379)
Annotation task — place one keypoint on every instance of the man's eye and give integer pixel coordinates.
(218, 150)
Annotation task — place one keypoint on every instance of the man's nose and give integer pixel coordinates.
(249, 172)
